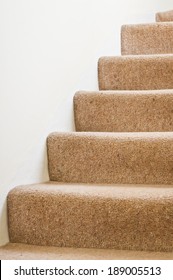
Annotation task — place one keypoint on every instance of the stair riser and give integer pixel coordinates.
(154, 38)
(114, 158)
(70, 221)
(124, 111)
(164, 16)
(136, 72)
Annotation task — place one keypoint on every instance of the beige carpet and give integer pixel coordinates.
(153, 38)
(126, 158)
(92, 216)
(13, 251)
(124, 111)
(140, 72)
(165, 16)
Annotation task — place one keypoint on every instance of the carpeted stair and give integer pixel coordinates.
(136, 72)
(124, 111)
(92, 216)
(164, 16)
(111, 182)
(123, 158)
(154, 38)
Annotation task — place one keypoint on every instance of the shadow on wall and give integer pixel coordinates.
(39, 175)
(4, 237)
(34, 168)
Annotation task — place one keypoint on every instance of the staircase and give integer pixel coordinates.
(111, 181)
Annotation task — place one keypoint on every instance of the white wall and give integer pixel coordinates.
(48, 50)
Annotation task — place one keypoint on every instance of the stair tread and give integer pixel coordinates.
(124, 111)
(152, 38)
(18, 251)
(92, 216)
(136, 72)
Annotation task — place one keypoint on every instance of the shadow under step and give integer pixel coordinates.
(124, 111)
(136, 72)
(92, 216)
(153, 38)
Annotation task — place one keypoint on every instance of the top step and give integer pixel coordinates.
(154, 38)
(165, 16)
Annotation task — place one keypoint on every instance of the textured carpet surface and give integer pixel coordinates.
(132, 158)
(116, 217)
(165, 16)
(143, 72)
(52, 220)
(18, 251)
(154, 38)
(124, 111)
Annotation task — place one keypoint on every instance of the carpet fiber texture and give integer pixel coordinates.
(110, 183)
(92, 216)
(140, 72)
(124, 111)
(18, 251)
(154, 38)
(132, 158)
(164, 16)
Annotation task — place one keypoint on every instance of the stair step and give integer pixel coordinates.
(164, 16)
(18, 251)
(154, 38)
(132, 158)
(143, 72)
(92, 216)
(124, 111)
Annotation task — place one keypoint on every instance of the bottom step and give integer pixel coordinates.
(132, 217)
(17, 251)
